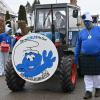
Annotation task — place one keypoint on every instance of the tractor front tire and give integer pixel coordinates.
(14, 82)
(68, 74)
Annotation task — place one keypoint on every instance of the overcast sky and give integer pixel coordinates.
(93, 6)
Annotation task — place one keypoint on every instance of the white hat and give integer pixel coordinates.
(7, 29)
(87, 16)
(19, 31)
(7, 25)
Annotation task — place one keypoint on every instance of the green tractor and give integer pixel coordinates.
(59, 23)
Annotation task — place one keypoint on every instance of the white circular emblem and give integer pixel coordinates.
(35, 58)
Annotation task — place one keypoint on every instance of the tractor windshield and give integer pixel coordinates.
(44, 18)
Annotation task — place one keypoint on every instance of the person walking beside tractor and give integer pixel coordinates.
(88, 47)
(5, 45)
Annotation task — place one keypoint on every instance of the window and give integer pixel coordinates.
(72, 20)
(44, 18)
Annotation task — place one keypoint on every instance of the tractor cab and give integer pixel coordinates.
(59, 22)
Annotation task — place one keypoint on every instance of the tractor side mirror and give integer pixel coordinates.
(75, 13)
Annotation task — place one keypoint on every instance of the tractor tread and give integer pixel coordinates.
(14, 82)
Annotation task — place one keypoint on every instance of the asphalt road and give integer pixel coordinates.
(49, 90)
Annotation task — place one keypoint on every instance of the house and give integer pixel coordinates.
(3, 9)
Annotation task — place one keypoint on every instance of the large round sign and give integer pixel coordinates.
(35, 58)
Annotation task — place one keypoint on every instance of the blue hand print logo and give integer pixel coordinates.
(32, 63)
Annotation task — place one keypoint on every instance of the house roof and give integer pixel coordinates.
(4, 7)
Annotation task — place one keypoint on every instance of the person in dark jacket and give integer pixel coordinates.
(88, 48)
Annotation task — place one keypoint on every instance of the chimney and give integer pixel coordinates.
(73, 2)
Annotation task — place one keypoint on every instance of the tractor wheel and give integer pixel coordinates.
(68, 74)
(14, 82)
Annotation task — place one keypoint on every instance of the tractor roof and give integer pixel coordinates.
(58, 5)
